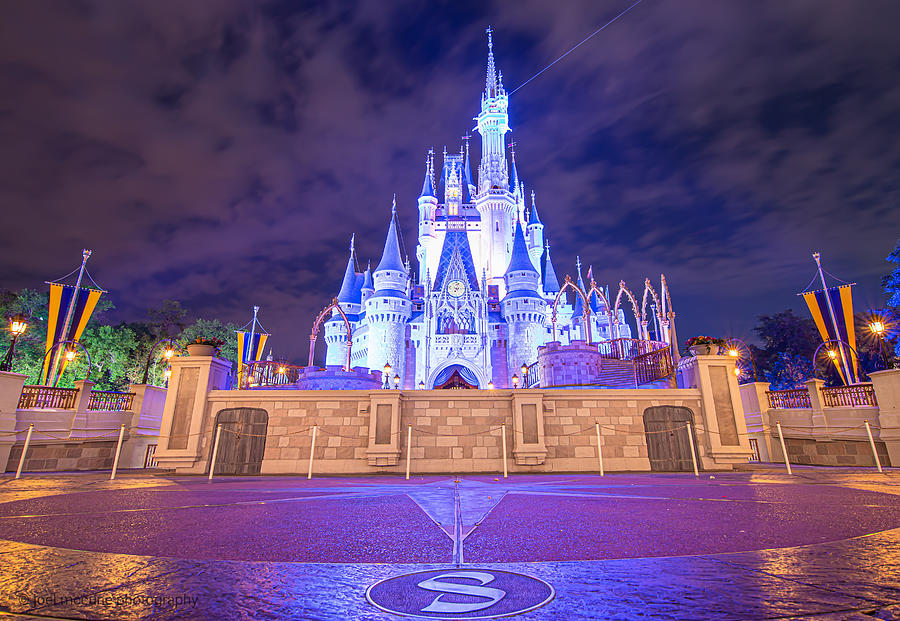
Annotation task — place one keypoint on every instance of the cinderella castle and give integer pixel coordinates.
(481, 302)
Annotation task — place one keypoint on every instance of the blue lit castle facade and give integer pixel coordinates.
(480, 303)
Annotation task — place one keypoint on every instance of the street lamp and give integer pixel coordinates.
(515, 380)
(737, 348)
(396, 382)
(168, 352)
(70, 355)
(877, 328)
(17, 326)
(524, 370)
(421, 385)
(490, 385)
(386, 376)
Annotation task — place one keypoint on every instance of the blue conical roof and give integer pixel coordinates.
(533, 216)
(551, 282)
(427, 186)
(390, 257)
(520, 261)
(367, 280)
(348, 285)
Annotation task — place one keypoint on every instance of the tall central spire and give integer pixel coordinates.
(490, 85)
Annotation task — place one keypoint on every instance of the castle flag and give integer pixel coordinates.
(250, 343)
(61, 298)
(841, 303)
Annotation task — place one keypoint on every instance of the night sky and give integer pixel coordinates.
(222, 152)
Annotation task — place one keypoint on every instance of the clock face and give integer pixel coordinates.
(456, 288)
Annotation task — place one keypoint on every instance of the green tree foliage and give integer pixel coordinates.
(891, 285)
(789, 342)
(213, 328)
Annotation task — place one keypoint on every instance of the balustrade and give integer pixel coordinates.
(47, 398)
(109, 401)
(789, 399)
(849, 396)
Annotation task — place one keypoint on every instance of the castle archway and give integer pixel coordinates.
(453, 371)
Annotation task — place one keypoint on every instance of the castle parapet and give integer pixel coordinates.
(575, 364)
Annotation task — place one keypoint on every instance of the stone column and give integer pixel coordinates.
(10, 391)
(186, 432)
(887, 393)
(84, 394)
(755, 402)
(721, 425)
(143, 426)
(819, 422)
(528, 427)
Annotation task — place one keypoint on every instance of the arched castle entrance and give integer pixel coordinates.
(456, 374)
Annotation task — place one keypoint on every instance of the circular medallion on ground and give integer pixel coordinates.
(460, 593)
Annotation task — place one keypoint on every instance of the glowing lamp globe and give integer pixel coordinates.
(396, 381)
(733, 353)
(18, 324)
(832, 354)
(877, 327)
(70, 355)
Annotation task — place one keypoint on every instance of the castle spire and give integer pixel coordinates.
(514, 175)
(428, 184)
(490, 84)
(349, 283)
(533, 217)
(390, 256)
(519, 260)
(551, 282)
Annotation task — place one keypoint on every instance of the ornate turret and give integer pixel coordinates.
(524, 309)
(390, 273)
(493, 123)
(535, 233)
(551, 282)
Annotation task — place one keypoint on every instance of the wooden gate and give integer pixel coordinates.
(667, 438)
(242, 441)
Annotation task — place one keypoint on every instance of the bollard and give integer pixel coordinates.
(783, 448)
(693, 451)
(872, 444)
(112, 475)
(599, 453)
(212, 462)
(24, 450)
(408, 449)
(505, 472)
(312, 450)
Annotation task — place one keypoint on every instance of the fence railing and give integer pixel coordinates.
(109, 401)
(629, 349)
(849, 396)
(47, 398)
(653, 366)
(270, 373)
(532, 377)
(789, 399)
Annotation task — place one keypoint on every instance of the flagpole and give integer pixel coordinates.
(85, 255)
(834, 325)
(250, 344)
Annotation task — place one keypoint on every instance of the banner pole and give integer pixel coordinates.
(837, 335)
(783, 449)
(52, 379)
(115, 467)
(599, 452)
(872, 444)
(212, 462)
(505, 471)
(312, 451)
(408, 449)
(24, 450)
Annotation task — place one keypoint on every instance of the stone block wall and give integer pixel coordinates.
(568, 365)
(834, 453)
(63, 456)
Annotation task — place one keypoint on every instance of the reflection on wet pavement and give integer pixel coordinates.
(394, 520)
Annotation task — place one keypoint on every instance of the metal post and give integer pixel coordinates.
(599, 452)
(51, 378)
(408, 449)
(505, 471)
(848, 378)
(24, 450)
(115, 467)
(783, 449)
(312, 451)
(212, 462)
(872, 444)
(693, 451)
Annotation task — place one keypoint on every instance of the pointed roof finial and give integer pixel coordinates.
(490, 86)
(394, 205)
(578, 264)
(533, 218)
(352, 243)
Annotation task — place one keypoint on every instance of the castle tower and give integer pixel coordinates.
(389, 307)
(523, 307)
(495, 203)
(535, 234)
(429, 244)
(349, 298)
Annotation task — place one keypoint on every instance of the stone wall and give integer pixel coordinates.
(56, 456)
(834, 453)
(569, 365)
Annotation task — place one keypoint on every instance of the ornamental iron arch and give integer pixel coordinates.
(568, 284)
(602, 297)
(335, 305)
(634, 308)
(650, 292)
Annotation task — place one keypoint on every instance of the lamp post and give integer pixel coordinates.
(386, 376)
(396, 382)
(735, 348)
(877, 328)
(168, 353)
(17, 326)
(515, 381)
(524, 371)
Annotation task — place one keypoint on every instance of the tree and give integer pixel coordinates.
(789, 342)
(213, 328)
(890, 283)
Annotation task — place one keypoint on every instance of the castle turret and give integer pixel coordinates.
(429, 244)
(551, 282)
(389, 307)
(524, 309)
(535, 233)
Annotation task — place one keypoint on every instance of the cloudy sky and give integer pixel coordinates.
(222, 152)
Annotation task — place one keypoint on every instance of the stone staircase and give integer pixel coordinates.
(616, 374)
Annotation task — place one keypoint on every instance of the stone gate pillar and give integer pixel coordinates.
(887, 392)
(720, 425)
(186, 419)
(10, 391)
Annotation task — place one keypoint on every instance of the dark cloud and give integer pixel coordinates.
(222, 152)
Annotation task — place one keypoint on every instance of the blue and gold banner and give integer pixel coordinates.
(249, 350)
(60, 301)
(842, 303)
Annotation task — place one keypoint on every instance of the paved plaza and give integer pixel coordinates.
(821, 544)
